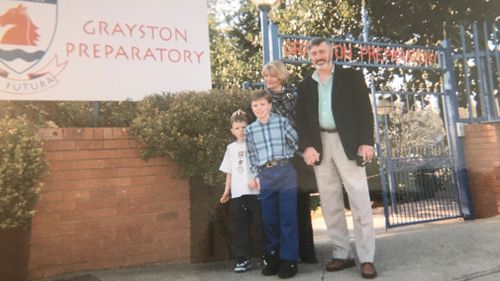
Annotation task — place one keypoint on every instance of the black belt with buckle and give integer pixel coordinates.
(334, 130)
(274, 163)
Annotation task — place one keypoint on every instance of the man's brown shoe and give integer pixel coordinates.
(368, 270)
(339, 264)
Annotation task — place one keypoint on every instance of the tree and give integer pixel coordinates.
(422, 21)
(236, 52)
(340, 18)
(395, 20)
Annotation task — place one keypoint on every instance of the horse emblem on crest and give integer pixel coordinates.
(27, 29)
(23, 30)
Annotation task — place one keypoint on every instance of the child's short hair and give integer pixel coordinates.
(261, 94)
(239, 116)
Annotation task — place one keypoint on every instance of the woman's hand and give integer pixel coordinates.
(238, 112)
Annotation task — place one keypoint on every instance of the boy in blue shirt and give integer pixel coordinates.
(271, 143)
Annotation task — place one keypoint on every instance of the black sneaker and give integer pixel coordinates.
(242, 264)
(287, 269)
(270, 264)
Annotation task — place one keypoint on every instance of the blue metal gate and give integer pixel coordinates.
(477, 61)
(418, 134)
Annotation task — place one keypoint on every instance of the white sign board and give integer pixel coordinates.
(102, 50)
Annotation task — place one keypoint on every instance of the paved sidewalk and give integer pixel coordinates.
(453, 250)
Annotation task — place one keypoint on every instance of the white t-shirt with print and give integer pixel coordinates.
(235, 163)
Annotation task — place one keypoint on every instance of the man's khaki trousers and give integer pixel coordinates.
(335, 169)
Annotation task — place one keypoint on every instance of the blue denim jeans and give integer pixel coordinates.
(278, 191)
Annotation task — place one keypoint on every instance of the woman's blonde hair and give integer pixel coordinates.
(276, 68)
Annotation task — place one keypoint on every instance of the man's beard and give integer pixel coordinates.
(324, 63)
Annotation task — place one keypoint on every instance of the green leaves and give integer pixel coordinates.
(236, 53)
(71, 113)
(193, 130)
(21, 166)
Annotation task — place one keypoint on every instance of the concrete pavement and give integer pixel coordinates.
(454, 250)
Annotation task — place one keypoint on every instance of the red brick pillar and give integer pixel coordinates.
(482, 153)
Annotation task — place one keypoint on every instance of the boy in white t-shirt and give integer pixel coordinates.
(245, 201)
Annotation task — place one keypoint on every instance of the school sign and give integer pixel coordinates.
(102, 50)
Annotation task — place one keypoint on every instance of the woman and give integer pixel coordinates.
(283, 100)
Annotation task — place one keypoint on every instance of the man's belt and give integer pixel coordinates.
(274, 163)
(334, 130)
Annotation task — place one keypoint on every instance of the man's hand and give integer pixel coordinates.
(310, 156)
(367, 152)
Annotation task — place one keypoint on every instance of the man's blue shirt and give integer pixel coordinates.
(326, 120)
(274, 140)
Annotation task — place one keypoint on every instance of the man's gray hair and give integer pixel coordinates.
(317, 41)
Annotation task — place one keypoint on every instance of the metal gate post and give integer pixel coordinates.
(383, 164)
(275, 46)
(264, 27)
(456, 142)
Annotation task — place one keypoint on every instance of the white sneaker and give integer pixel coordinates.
(242, 264)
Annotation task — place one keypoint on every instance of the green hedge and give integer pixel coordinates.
(192, 128)
(21, 166)
(72, 113)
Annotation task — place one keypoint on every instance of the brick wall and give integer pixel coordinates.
(482, 153)
(102, 206)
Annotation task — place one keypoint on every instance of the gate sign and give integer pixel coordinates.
(102, 50)
(295, 50)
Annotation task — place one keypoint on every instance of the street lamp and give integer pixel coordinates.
(268, 3)
(384, 107)
(264, 7)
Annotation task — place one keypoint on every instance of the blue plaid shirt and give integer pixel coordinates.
(275, 140)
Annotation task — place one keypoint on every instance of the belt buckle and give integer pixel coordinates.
(269, 164)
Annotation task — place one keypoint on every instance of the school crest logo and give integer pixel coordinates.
(27, 29)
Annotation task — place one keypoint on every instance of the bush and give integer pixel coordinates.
(191, 128)
(72, 113)
(150, 124)
(21, 166)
